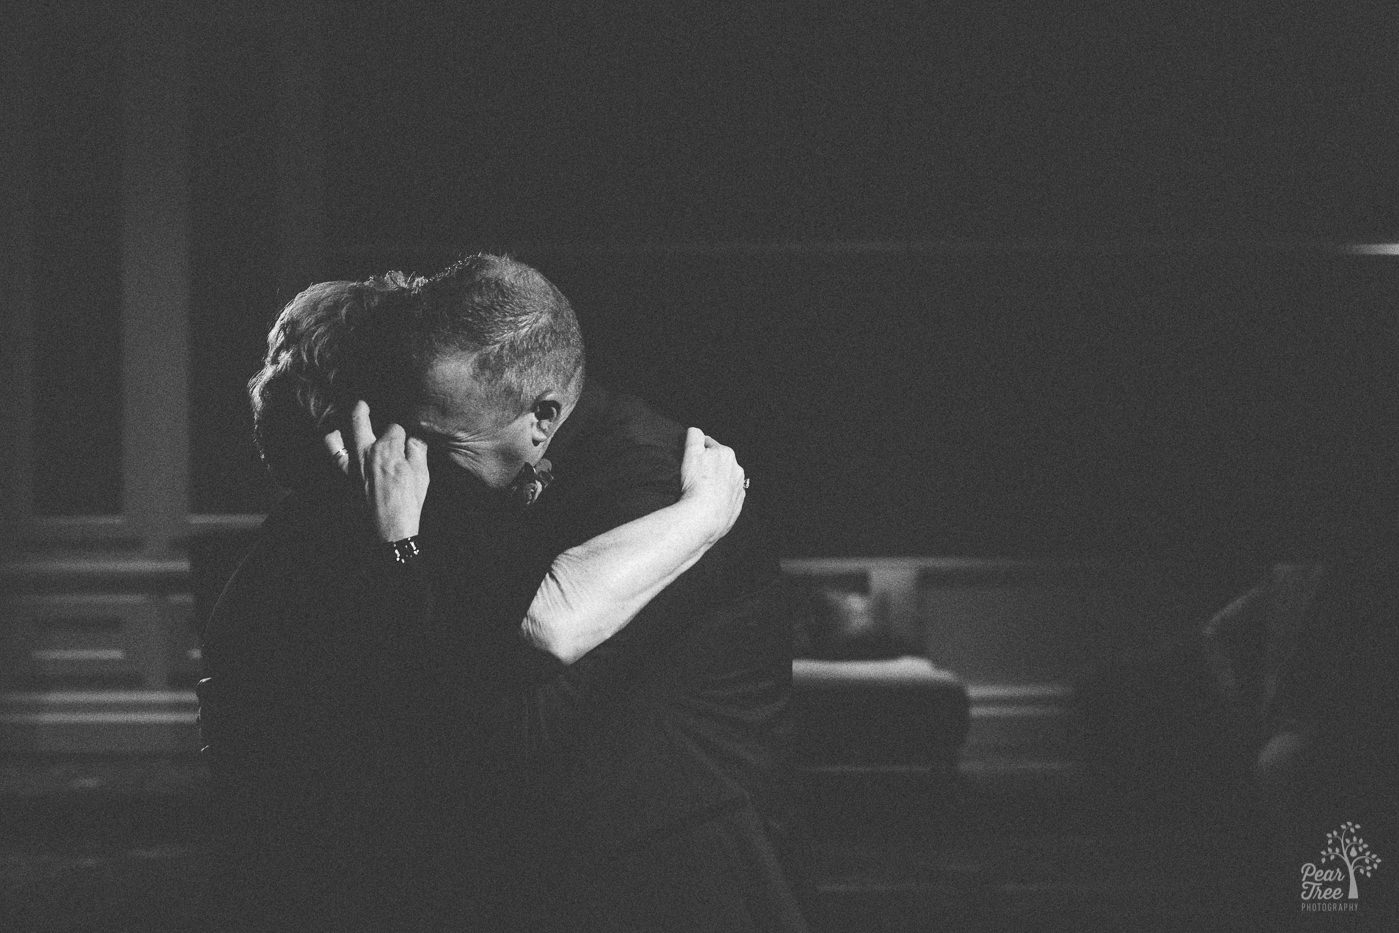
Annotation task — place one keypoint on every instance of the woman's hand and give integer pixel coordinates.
(390, 470)
(712, 481)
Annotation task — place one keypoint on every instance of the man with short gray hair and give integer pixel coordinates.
(630, 782)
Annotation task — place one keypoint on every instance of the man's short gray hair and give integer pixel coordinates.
(519, 327)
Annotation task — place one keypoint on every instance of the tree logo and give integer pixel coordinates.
(1343, 847)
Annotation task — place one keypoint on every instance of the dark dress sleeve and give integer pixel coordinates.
(302, 733)
(306, 649)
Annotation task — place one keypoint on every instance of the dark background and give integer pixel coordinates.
(967, 278)
(973, 278)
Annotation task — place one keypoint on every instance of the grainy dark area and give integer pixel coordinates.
(1104, 295)
(115, 845)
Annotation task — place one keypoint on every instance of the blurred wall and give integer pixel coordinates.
(957, 279)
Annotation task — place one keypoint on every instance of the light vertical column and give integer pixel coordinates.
(300, 147)
(16, 266)
(156, 276)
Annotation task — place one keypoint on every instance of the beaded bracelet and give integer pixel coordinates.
(403, 551)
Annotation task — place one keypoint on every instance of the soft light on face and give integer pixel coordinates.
(452, 413)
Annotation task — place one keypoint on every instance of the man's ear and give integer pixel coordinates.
(548, 413)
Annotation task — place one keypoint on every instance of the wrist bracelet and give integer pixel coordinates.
(403, 551)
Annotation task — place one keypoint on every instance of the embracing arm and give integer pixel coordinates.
(580, 613)
(594, 589)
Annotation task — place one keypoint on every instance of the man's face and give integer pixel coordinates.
(454, 415)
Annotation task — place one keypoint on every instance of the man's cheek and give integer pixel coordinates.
(488, 467)
(445, 463)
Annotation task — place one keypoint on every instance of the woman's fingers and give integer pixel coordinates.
(696, 442)
(391, 470)
(697, 464)
(335, 446)
(391, 442)
(361, 431)
(396, 483)
(725, 459)
(710, 473)
(706, 458)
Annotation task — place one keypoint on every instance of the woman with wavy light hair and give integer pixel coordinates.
(318, 802)
(323, 357)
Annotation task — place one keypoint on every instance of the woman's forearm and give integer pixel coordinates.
(593, 590)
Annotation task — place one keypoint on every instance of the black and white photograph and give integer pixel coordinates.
(699, 467)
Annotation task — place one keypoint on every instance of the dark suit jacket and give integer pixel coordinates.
(385, 746)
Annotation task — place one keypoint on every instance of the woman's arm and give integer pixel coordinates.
(593, 590)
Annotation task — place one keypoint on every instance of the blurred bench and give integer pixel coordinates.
(877, 726)
(892, 714)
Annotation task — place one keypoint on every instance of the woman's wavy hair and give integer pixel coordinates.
(315, 368)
